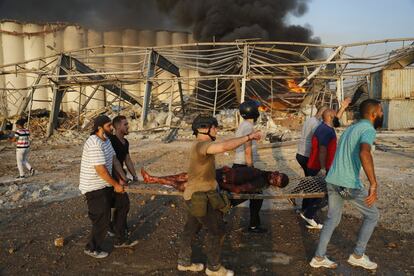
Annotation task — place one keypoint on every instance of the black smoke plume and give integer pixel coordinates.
(219, 20)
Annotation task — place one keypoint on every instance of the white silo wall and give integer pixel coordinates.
(34, 47)
(131, 62)
(146, 38)
(73, 39)
(53, 40)
(181, 38)
(3, 93)
(95, 38)
(191, 38)
(192, 83)
(13, 52)
(112, 63)
(163, 38)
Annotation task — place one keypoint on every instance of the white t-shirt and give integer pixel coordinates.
(305, 142)
(95, 152)
(244, 129)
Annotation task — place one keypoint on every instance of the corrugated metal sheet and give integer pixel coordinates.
(398, 84)
(398, 114)
(375, 85)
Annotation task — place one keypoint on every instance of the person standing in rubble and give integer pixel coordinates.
(206, 205)
(97, 184)
(22, 139)
(344, 185)
(121, 202)
(320, 160)
(308, 129)
(246, 156)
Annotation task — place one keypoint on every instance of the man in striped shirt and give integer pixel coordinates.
(21, 137)
(96, 182)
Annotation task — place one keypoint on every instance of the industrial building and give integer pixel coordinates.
(64, 67)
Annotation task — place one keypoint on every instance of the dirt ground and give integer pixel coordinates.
(39, 209)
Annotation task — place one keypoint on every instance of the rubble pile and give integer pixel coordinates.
(16, 195)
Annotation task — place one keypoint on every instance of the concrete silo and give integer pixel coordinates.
(3, 93)
(95, 38)
(132, 61)
(13, 52)
(53, 40)
(34, 48)
(73, 39)
(192, 83)
(163, 38)
(146, 38)
(181, 38)
(112, 63)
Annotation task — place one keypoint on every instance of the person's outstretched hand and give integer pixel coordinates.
(255, 135)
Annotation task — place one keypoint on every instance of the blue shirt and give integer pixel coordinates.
(347, 163)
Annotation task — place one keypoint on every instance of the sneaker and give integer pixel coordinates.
(96, 254)
(111, 234)
(311, 223)
(325, 262)
(32, 172)
(257, 229)
(125, 244)
(221, 272)
(195, 267)
(20, 177)
(364, 262)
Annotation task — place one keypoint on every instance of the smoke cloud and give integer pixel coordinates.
(219, 20)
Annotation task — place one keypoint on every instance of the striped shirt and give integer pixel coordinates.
(22, 138)
(95, 152)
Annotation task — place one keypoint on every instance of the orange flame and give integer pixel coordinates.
(294, 87)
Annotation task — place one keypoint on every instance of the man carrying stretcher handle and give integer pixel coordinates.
(204, 203)
(235, 180)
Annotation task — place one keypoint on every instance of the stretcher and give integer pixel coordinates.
(299, 187)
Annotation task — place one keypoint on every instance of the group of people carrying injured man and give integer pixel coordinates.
(103, 178)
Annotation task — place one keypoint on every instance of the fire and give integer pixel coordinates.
(293, 87)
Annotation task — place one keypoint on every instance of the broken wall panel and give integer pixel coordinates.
(398, 114)
(392, 84)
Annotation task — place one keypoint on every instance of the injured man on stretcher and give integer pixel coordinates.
(235, 180)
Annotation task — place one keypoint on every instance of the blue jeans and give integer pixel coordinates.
(335, 206)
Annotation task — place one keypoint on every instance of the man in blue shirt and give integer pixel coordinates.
(344, 184)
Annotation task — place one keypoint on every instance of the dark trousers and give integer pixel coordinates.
(254, 205)
(310, 206)
(119, 221)
(214, 223)
(303, 162)
(99, 212)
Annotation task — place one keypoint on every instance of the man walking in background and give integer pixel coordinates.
(320, 160)
(246, 156)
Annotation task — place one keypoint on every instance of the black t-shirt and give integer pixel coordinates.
(121, 150)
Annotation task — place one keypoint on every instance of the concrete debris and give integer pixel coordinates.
(59, 242)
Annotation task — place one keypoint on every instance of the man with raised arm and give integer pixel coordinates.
(202, 197)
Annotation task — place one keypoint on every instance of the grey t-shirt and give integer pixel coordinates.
(305, 142)
(245, 128)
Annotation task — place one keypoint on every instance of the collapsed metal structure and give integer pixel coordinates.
(197, 76)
